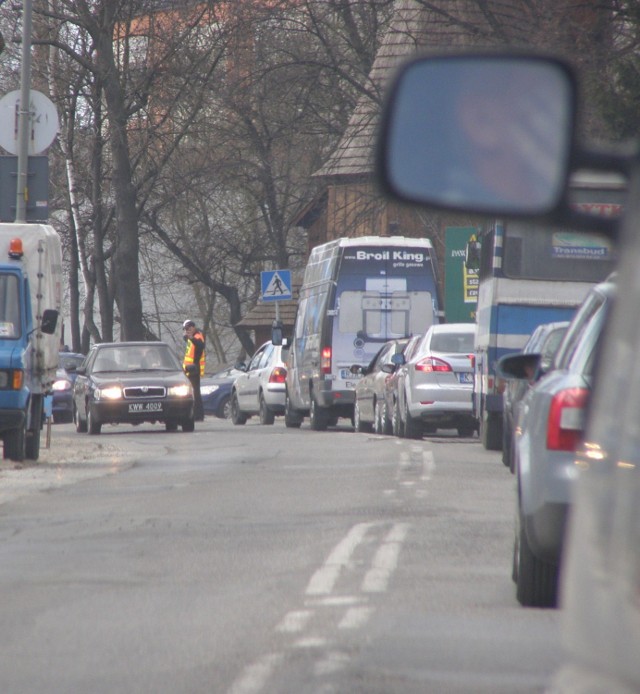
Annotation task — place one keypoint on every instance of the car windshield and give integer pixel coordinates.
(135, 358)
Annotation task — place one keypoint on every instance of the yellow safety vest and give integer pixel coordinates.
(190, 353)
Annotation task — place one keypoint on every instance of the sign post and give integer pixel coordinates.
(276, 286)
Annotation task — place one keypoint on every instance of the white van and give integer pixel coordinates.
(357, 294)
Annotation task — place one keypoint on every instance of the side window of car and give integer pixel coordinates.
(255, 359)
(574, 334)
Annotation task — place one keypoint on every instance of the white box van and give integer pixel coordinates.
(357, 294)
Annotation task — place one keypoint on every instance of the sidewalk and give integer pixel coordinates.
(70, 458)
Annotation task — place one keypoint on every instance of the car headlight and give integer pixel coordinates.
(207, 390)
(108, 393)
(61, 385)
(182, 391)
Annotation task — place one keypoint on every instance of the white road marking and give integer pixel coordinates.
(335, 601)
(385, 560)
(255, 676)
(324, 579)
(294, 621)
(311, 642)
(355, 617)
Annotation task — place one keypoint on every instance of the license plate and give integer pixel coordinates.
(345, 374)
(465, 377)
(145, 407)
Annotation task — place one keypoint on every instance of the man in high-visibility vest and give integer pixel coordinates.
(193, 363)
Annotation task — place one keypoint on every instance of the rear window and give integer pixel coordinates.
(452, 342)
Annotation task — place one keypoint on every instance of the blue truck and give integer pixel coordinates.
(30, 305)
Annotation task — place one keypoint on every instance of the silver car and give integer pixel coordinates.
(260, 390)
(369, 409)
(547, 433)
(433, 389)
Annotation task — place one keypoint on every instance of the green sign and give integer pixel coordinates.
(460, 284)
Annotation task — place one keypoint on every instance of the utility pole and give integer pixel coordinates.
(23, 116)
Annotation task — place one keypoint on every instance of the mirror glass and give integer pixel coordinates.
(480, 133)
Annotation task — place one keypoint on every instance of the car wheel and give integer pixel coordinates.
(412, 429)
(358, 424)
(15, 444)
(292, 419)
(466, 431)
(385, 420)
(266, 415)
(171, 426)
(318, 416)
(536, 580)
(237, 417)
(224, 409)
(396, 421)
(188, 426)
(491, 431)
(81, 425)
(378, 417)
(93, 427)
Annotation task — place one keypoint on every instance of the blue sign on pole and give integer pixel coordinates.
(276, 285)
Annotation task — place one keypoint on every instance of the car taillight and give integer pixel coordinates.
(565, 424)
(325, 360)
(430, 364)
(278, 375)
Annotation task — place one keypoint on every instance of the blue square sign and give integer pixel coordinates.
(276, 285)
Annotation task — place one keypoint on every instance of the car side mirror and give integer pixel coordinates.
(523, 367)
(398, 359)
(488, 133)
(49, 321)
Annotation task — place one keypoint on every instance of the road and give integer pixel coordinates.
(249, 560)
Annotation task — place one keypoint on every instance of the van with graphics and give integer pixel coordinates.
(357, 294)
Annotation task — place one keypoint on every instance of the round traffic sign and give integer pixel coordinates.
(43, 121)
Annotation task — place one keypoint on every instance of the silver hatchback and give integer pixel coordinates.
(434, 388)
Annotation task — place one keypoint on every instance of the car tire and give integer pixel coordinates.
(81, 425)
(14, 444)
(412, 428)
(267, 417)
(385, 421)
(491, 431)
(237, 417)
(93, 427)
(466, 431)
(377, 417)
(536, 580)
(188, 426)
(318, 415)
(396, 421)
(224, 409)
(358, 424)
(292, 418)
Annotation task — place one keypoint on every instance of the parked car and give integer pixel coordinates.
(369, 409)
(544, 341)
(391, 383)
(548, 431)
(132, 383)
(216, 392)
(62, 399)
(600, 578)
(433, 389)
(260, 388)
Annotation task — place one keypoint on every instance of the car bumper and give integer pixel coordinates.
(122, 412)
(545, 531)
(11, 419)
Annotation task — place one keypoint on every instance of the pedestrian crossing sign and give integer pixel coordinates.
(276, 285)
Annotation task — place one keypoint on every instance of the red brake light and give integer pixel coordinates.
(565, 425)
(325, 360)
(430, 364)
(278, 375)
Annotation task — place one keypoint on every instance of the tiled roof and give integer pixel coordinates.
(264, 313)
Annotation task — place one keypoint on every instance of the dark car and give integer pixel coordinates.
(62, 400)
(132, 383)
(544, 340)
(216, 392)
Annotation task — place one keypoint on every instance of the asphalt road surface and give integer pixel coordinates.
(257, 559)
